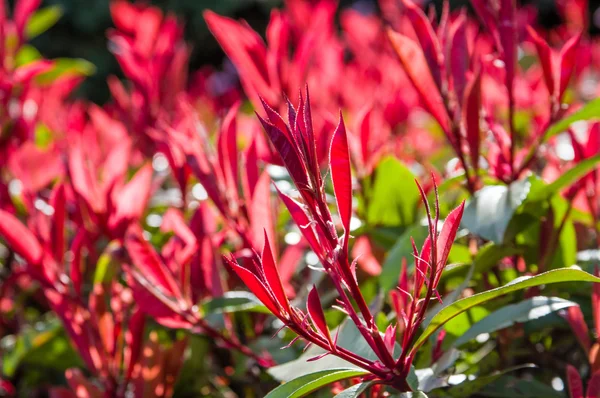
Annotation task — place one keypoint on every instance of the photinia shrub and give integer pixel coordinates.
(397, 203)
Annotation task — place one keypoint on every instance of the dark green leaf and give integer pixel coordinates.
(470, 387)
(234, 302)
(527, 310)
(509, 386)
(490, 254)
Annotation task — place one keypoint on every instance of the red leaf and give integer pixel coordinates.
(593, 387)
(75, 266)
(448, 233)
(134, 337)
(22, 13)
(577, 322)
(57, 241)
(339, 162)
(83, 179)
(83, 387)
(289, 153)
(255, 285)
(272, 275)
(20, 239)
(302, 221)
(23, 74)
(459, 55)
(568, 60)
(508, 40)
(546, 59)
(574, 383)
(470, 113)
(415, 65)
(315, 310)
(261, 211)
(228, 152)
(130, 201)
(288, 264)
(146, 259)
(596, 300)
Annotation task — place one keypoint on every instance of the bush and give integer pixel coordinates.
(399, 203)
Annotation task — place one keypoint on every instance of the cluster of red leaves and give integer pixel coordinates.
(79, 201)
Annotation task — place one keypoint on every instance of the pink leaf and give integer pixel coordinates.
(247, 51)
(427, 38)
(415, 65)
(261, 211)
(20, 239)
(315, 310)
(568, 60)
(339, 162)
(546, 59)
(130, 202)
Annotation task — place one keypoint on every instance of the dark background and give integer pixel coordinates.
(81, 32)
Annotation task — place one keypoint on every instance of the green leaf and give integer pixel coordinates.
(471, 387)
(492, 208)
(566, 179)
(460, 306)
(509, 386)
(388, 279)
(27, 54)
(234, 302)
(527, 310)
(42, 20)
(393, 199)
(66, 66)
(414, 394)
(591, 110)
(355, 390)
(43, 136)
(490, 254)
(309, 383)
(106, 267)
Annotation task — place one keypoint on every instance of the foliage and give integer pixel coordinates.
(407, 203)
